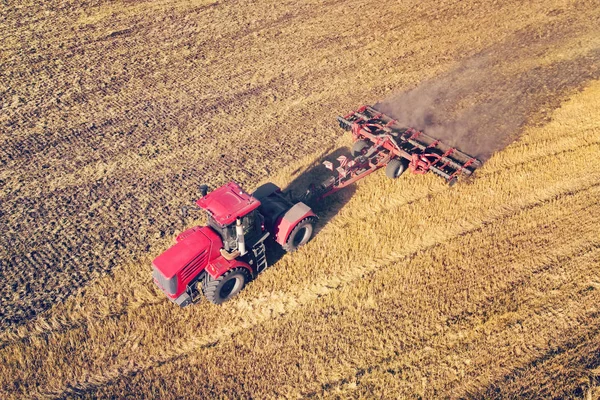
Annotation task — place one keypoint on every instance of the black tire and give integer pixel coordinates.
(226, 286)
(359, 147)
(301, 234)
(395, 168)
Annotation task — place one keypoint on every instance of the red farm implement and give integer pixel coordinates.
(220, 258)
(380, 141)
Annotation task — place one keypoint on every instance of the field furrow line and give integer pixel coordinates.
(578, 256)
(574, 362)
(559, 325)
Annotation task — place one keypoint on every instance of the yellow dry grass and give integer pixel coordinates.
(486, 289)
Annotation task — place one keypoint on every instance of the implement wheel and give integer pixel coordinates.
(395, 168)
(300, 234)
(226, 286)
(359, 148)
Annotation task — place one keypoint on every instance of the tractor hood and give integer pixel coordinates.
(191, 250)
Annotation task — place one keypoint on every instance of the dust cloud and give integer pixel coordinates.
(481, 105)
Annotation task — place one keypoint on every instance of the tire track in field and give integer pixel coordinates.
(288, 301)
(577, 329)
(392, 364)
(576, 358)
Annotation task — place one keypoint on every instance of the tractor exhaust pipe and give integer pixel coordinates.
(203, 190)
(239, 230)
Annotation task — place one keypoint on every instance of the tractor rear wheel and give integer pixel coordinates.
(359, 147)
(300, 234)
(395, 168)
(226, 286)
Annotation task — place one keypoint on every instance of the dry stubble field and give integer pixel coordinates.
(113, 112)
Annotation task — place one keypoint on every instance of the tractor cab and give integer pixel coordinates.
(233, 214)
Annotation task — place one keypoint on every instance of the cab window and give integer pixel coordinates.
(249, 223)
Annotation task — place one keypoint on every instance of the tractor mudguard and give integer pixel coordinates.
(290, 219)
(220, 265)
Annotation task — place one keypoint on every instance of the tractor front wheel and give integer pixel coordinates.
(226, 286)
(300, 234)
(395, 168)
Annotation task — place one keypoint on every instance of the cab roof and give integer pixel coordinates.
(227, 203)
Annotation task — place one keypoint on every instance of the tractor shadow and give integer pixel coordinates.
(325, 209)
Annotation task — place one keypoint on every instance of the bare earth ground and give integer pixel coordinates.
(113, 112)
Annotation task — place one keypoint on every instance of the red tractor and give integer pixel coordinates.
(219, 259)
